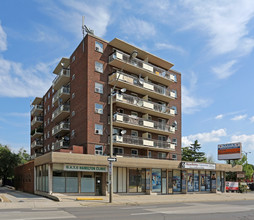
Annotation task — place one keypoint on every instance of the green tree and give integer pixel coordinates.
(8, 161)
(23, 155)
(192, 153)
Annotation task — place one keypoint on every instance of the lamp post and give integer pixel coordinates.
(112, 93)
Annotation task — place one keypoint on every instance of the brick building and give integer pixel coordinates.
(70, 126)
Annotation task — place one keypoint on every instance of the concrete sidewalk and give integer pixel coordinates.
(23, 200)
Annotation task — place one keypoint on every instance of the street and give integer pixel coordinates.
(237, 210)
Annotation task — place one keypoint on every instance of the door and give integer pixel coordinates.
(98, 186)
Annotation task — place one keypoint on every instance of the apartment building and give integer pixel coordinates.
(70, 125)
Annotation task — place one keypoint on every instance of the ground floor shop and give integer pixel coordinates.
(88, 174)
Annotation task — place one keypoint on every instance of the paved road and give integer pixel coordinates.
(237, 210)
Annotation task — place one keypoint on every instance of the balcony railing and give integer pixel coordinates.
(62, 78)
(144, 104)
(63, 91)
(63, 126)
(37, 132)
(36, 109)
(143, 65)
(61, 109)
(37, 143)
(133, 120)
(61, 144)
(143, 142)
(140, 82)
(37, 119)
(35, 155)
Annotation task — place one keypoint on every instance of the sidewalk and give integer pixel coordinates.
(23, 200)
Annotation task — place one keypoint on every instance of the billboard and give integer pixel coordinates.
(231, 151)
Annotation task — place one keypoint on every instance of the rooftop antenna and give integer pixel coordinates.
(85, 28)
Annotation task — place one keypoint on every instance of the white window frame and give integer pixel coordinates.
(98, 46)
(97, 88)
(98, 152)
(98, 110)
(134, 132)
(98, 67)
(98, 129)
(174, 156)
(132, 154)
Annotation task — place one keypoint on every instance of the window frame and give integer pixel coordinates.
(101, 151)
(96, 129)
(98, 45)
(97, 68)
(100, 90)
(134, 150)
(98, 110)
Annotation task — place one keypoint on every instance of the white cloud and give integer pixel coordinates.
(246, 140)
(3, 39)
(239, 117)
(213, 136)
(225, 70)
(165, 46)
(138, 28)
(225, 22)
(252, 119)
(219, 116)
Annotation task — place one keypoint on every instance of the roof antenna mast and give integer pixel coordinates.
(85, 28)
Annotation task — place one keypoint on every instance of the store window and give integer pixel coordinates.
(218, 181)
(196, 181)
(98, 149)
(98, 46)
(98, 67)
(208, 181)
(202, 181)
(190, 184)
(176, 181)
(156, 180)
(137, 180)
(87, 182)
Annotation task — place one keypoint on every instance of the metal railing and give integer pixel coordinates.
(142, 103)
(63, 89)
(144, 142)
(61, 144)
(36, 107)
(37, 143)
(37, 130)
(141, 64)
(134, 120)
(37, 119)
(141, 83)
(61, 126)
(63, 72)
(61, 108)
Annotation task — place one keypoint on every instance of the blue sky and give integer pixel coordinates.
(210, 42)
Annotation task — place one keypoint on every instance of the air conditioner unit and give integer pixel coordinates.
(118, 138)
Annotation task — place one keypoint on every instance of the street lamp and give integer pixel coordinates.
(246, 153)
(112, 93)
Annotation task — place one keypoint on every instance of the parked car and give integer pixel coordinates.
(232, 186)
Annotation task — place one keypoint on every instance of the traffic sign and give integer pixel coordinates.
(112, 159)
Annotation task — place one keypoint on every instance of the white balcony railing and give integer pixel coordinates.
(62, 126)
(37, 143)
(63, 73)
(60, 109)
(59, 144)
(35, 108)
(37, 119)
(63, 90)
(141, 64)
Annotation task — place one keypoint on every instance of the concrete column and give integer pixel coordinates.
(50, 179)
(127, 179)
(35, 179)
(79, 182)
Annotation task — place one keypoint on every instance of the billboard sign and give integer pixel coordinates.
(195, 165)
(231, 151)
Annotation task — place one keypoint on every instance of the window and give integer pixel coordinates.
(99, 129)
(48, 108)
(174, 156)
(45, 123)
(134, 114)
(48, 121)
(120, 110)
(73, 95)
(73, 58)
(98, 108)
(162, 138)
(134, 133)
(118, 150)
(48, 95)
(174, 108)
(98, 150)
(150, 154)
(162, 155)
(45, 98)
(73, 113)
(99, 88)
(174, 141)
(48, 134)
(98, 46)
(150, 117)
(149, 135)
(73, 77)
(53, 91)
(98, 67)
(72, 133)
(134, 152)
(175, 93)
(45, 111)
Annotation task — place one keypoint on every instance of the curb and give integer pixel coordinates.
(52, 197)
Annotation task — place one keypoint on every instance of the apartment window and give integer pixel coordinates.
(73, 113)
(99, 129)
(45, 98)
(174, 91)
(98, 46)
(45, 123)
(162, 155)
(174, 141)
(53, 91)
(150, 154)
(134, 152)
(48, 121)
(174, 108)
(98, 150)
(134, 114)
(120, 110)
(73, 58)
(48, 147)
(52, 105)
(99, 88)
(98, 67)
(48, 95)
(134, 133)
(73, 77)
(73, 95)
(149, 135)
(48, 108)
(162, 138)
(48, 134)
(150, 117)
(174, 156)
(118, 151)
(98, 108)
(45, 111)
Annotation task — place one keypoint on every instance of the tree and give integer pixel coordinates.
(191, 153)
(23, 155)
(8, 161)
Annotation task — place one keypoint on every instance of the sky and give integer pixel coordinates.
(210, 42)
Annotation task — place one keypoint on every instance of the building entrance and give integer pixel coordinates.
(98, 185)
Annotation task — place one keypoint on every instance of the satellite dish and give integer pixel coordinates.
(123, 131)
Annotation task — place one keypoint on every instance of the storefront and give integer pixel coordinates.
(88, 174)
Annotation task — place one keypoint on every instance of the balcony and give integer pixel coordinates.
(37, 120)
(140, 86)
(35, 155)
(61, 129)
(137, 66)
(37, 143)
(63, 94)
(61, 113)
(137, 142)
(36, 110)
(137, 104)
(61, 144)
(61, 79)
(133, 122)
(38, 132)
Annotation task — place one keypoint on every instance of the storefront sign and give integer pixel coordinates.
(230, 151)
(84, 168)
(201, 166)
(240, 174)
